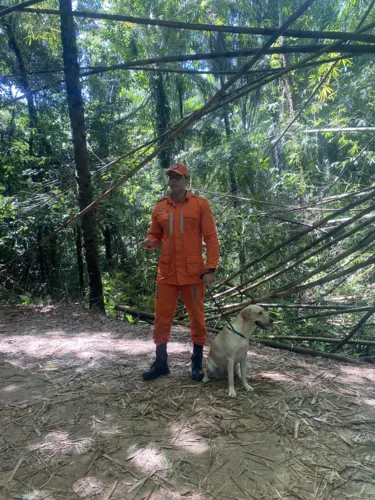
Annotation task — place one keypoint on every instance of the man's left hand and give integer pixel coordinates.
(208, 278)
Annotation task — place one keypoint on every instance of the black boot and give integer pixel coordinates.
(196, 363)
(160, 367)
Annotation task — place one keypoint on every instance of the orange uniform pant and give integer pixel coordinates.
(166, 298)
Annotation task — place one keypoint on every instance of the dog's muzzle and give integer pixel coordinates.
(261, 325)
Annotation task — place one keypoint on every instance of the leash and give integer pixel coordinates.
(231, 328)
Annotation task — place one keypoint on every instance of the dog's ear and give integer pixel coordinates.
(246, 314)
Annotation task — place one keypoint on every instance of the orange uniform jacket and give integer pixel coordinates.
(180, 227)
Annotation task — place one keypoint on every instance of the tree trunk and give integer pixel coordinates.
(217, 41)
(78, 238)
(180, 91)
(108, 244)
(284, 59)
(25, 86)
(163, 118)
(83, 176)
(42, 265)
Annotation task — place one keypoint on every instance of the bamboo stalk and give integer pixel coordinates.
(355, 329)
(321, 281)
(343, 130)
(315, 226)
(298, 338)
(5, 11)
(159, 70)
(328, 35)
(370, 237)
(334, 307)
(311, 352)
(349, 49)
(293, 260)
(297, 49)
(309, 255)
(284, 293)
(190, 71)
(306, 306)
(334, 313)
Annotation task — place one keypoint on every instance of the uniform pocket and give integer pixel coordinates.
(164, 264)
(194, 264)
(163, 220)
(191, 220)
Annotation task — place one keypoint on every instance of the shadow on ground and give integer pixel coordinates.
(78, 422)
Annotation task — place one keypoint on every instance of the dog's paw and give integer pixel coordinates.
(232, 393)
(205, 379)
(248, 388)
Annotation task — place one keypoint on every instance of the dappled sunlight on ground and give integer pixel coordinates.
(274, 376)
(369, 402)
(147, 459)
(55, 443)
(255, 355)
(357, 374)
(88, 487)
(186, 439)
(10, 388)
(106, 426)
(86, 345)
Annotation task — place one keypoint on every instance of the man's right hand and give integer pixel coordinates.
(147, 244)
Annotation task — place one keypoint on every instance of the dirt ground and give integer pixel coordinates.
(78, 422)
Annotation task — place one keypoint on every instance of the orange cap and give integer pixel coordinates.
(179, 168)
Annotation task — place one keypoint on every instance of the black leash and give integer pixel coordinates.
(221, 312)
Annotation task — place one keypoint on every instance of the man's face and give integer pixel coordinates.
(177, 182)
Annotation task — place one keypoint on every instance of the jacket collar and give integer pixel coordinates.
(187, 197)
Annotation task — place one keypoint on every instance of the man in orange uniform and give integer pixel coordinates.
(180, 222)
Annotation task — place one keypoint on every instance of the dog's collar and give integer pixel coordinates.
(235, 331)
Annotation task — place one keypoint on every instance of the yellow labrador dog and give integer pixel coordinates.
(228, 350)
